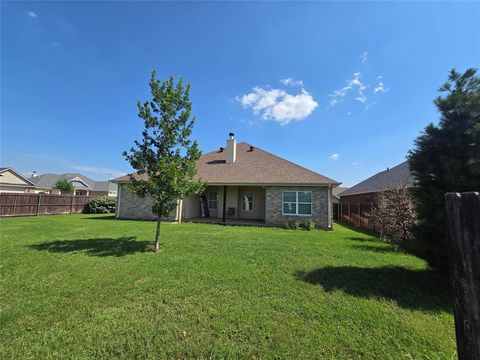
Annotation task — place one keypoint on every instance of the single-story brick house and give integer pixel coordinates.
(358, 200)
(244, 182)
(82, 185)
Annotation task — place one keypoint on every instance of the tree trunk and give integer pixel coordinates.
(157, 234)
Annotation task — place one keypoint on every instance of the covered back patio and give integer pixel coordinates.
(232, 204)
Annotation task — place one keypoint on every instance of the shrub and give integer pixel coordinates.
(309, 225)
(102, 205)
(394, 216)
(293, 225)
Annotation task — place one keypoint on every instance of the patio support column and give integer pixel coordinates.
(224, 202)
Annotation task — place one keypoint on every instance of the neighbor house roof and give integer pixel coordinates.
(104, 186)
(255, 166)
(48, 181)
(397, 176)
(338, 190)
(28, 183)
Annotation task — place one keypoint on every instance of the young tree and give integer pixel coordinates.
(394, 216)
(65, 186)
(446, 158)
(165, 154)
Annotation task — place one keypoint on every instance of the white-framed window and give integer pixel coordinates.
(297, 203)
(247, 201)
(213, 200)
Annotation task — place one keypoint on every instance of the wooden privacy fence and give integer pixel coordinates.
(358, 214)
(463, 214)
(40, 204)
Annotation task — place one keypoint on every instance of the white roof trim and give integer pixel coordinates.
(80, 180)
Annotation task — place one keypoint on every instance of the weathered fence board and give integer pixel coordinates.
(40, 204)
(463, 213)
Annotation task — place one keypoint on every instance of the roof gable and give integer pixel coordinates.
(11, 177)
(252, 166)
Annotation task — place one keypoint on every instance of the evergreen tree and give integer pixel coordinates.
(165, 154)
(446, 158)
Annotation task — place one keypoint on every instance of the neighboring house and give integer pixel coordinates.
(12, 181)
(336, 201)
(83, 185)
(359, 199)
(336, 193)
(245, 183)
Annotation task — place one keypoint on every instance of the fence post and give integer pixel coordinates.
(371, 215)
(38, 204)
(14, 204)
(358, 214)
(463, 215)
(71, 206)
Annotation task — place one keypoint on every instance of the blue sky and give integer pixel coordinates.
(341, 88)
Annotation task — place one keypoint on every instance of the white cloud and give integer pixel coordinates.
(278, 105)
(355, 83)
(32, 14)
(334, 157)
(291, 82)
(354, 163)
(364, 57)
(380, 88)
(337, 96)
(361, 98)
(98, 170)
(368, 106)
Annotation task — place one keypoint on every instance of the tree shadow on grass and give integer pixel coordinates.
(364, 239)
(376, 248)
(95, 247)
(106, 217)
(358, 229)
(422, 290)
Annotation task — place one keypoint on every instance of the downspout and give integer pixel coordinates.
(329, 208)
(224, 201)
(119, 191)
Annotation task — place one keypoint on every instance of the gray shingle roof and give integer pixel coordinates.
(338, 190)
(48, 181)
(398, 175)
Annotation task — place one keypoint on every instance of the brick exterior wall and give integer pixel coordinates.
(320, 203)
(131, 206)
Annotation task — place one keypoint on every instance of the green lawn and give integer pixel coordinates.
(82, 286)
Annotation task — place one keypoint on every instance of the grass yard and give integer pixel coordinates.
(82, 287)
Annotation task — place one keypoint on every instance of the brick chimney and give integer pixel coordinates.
(231, 148)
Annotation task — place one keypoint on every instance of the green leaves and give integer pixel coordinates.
(65, 186)
(165, 153)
